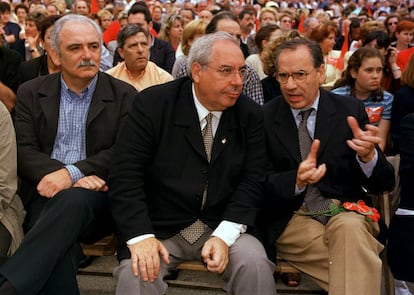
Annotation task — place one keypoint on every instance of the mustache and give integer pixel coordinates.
(86, 63)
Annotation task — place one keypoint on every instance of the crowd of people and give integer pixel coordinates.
(228, 132)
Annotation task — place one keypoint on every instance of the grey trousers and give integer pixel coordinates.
(248, 272)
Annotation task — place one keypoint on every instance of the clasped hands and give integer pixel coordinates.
(145, 257)
(59, 180)
(363, 143)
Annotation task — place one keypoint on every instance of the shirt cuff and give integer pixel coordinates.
(229, 231)
(74, 172)
(368, 167)
(139, 239)
(299, 191)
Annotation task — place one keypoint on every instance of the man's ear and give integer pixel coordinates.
(54, 56)
(121, 52)
(196, 70)
(322, 74)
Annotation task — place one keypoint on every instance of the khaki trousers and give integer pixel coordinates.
(341, 257)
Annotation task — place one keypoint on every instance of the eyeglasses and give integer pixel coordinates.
(299, 76)
(229, 71)
(393, 23)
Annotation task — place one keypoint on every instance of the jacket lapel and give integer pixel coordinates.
(224, 134)
(324, 121)
(99, 98)
(185, 116)
(286, 130)
(49, 100)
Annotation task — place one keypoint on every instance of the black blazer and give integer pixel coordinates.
(271, 88)
(401, 239)
(344, 178)
(37, 115)
(402, 105)
(9, 68)
(34, 68)
(159, 175)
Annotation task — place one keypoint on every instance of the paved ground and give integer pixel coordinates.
(105, 285)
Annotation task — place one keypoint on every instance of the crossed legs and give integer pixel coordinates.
(342, 257)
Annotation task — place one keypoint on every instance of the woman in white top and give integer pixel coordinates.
(263, 37)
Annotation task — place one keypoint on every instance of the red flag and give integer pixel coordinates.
(94, 6)
(301, 29)
(369, 11)
(340, 64)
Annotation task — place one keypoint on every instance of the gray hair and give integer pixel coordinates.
(70, 18)
(201, 49)
(308, 21)
(128, 31)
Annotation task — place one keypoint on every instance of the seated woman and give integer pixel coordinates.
(403, 35)
(11, 207)
(30, 47)
(172, 30)
(192, 31)
(362, 80)
(392, 72)
(265, 34)
(105, 18)
(325, 35)
(42, 65)
(403, 103)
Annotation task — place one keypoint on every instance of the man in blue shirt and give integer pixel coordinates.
(66, 125)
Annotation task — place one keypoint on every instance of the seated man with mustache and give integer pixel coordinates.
(66, 126)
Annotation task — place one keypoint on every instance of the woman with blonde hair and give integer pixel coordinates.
(172, 30)
(192, 31)
(105, 18)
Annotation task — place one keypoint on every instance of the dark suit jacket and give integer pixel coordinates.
(402, 105)
(161, 53)
(37, 114)
(9, 68)
(344, 178)
(271, 88)
(401, 239)
(161, 168)
(34, 68)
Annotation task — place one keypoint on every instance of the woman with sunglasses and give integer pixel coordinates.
(390, 24)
